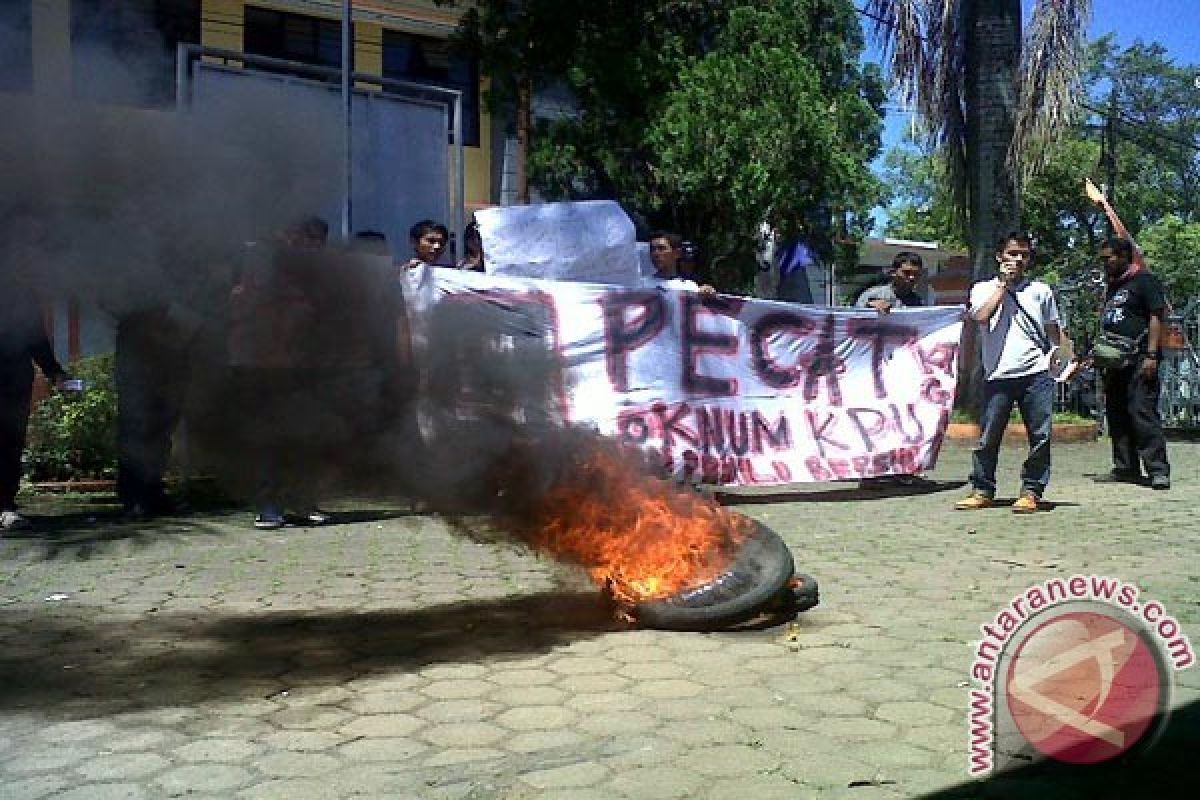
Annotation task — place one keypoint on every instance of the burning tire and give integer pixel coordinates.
(761, 579)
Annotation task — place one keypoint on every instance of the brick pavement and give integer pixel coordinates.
(393, 658)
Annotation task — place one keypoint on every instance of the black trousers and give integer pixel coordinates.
(149, 378)
(1131, 402)
(16, 391)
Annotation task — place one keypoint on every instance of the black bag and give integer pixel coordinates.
(1114, 351)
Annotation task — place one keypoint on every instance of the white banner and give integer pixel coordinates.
(726, 390)
(591, 241)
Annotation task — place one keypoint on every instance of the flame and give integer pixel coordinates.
(640, 538)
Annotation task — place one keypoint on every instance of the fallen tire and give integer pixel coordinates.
(760, 574)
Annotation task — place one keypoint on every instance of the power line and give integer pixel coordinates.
(1142, 127)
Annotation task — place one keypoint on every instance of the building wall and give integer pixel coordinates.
(221, 26)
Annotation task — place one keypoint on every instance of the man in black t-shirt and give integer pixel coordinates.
(1134, 307)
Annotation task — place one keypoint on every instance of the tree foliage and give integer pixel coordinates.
(920, 205)
(706, 116)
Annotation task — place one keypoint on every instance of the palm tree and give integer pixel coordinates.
(988, 96)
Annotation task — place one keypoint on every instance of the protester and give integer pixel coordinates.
(793, 262)
(428, 240)
(150, 372)
(272, 316)
(1018, 324)
(23, 342)
(900, 290)
(371, 242)
(1133, 310)
(472, 259)
(666, 253)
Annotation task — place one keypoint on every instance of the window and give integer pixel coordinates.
(16, 45)
(125, 52)
(293, 37)
(423, 59)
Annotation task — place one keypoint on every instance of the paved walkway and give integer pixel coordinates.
(389, 657)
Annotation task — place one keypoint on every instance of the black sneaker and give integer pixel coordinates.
(1160, 482)
(269, 519)
(315, 516)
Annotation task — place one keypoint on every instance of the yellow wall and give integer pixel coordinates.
(222, 27)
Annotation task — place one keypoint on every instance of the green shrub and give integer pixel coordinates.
(73, 435)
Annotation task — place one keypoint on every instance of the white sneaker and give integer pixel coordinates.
(12, 521)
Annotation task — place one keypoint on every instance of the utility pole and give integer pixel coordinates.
(1110, 151)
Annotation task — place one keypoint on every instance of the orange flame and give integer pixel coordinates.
(640, 538)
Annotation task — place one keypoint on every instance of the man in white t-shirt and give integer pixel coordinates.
(1019, 327)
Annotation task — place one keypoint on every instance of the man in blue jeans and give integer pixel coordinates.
(1019, 327)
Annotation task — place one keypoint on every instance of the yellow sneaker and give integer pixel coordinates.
(1027, 503)
(973, 502)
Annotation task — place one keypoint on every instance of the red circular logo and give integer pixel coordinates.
(1084, 687)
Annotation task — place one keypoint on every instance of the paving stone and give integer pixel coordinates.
(853, 729)
(654, 670)
(582, 665)
(913, 714)
(384, 702)
(452, 756)
(637, 654)
(464, 734)
(533, 741)
(120, 767)
(615, 723)
(887, 690)
(303, 741)
(382, 749)
(769, 786)
(661, 783)
(523, 677)
(528, 696)
(591, 703)
(671, 687)
(284, 790)
(891, 755)
(44, 757)
(726, 760)
(456, 689)
(581, 774)
(592, 683)
(217, 778)
(471, 710)
(296, 765)
(536, 718)
(310, 718)
(32, 788)
(104, 791)
(76, 731)
(383, 725)
(216, 750)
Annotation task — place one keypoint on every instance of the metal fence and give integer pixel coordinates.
(1180, 371)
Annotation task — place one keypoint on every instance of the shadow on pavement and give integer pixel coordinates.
(81, 535)
(843, 493)
(87, 664)
(1166, 769)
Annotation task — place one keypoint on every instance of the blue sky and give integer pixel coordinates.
(1173, 23)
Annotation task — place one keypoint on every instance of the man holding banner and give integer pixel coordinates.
(1019, 326)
